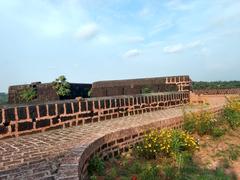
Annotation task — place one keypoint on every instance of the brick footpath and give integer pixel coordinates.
(38, 156)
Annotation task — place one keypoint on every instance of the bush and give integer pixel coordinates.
(28, 94)
(217, 132)
(232, 114)
(96, 166)
(189, 123)
(202, 123)
(167, 142)
(62, 86)
(150, 146)
(174, 142)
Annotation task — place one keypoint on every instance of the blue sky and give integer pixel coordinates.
(91, 40)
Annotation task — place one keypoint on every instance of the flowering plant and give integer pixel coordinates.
(166, 142)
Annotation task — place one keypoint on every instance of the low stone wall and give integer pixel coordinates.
(217, 91)
(74, 166)
(18, 120)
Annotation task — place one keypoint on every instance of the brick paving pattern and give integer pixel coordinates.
(38, 156)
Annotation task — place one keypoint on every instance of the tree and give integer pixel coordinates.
(62, 86)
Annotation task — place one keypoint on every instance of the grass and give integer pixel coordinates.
(231, 153)
(166, 168)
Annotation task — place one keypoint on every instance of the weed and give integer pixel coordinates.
(93, 177)
(135, 168)
(113, 173)
(217, 132)
(151, 173)
(28, 94)
(234, 153)
(61, 86)
(96, 166)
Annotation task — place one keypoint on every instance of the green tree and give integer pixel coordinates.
(62, 86)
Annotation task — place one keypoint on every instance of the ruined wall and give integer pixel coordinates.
(17, 120)
(46, 92)
(217, 91)
(136, 86)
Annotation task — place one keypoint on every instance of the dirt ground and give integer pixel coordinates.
(221, 152)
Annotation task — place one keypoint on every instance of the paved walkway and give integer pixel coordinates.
(38, 156)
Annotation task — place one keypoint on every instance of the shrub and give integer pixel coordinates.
(174, 142)
(167, 142)
(28, 94)
(202, 123)
(150, 146)
(217, 132)
(205, 123)
(232, 114)
(96, 166)
(189, 122)
(62, 86)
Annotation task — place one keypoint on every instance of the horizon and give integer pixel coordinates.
(90, 41)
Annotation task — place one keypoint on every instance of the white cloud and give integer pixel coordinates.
(88, 31)
(177, 48)
(132, 53)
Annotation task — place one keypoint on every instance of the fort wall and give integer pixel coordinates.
(136, 86)
(23, 119)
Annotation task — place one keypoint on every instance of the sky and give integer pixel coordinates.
(92, 40)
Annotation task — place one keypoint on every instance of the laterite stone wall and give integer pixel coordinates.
(217, 91)
(18, 120)
(46, 92)
(136, 86)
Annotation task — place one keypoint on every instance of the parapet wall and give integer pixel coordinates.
(136, 86)
(217, 91)
(46, 92)
(18, 120)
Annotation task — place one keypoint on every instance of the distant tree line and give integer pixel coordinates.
(215, 85)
